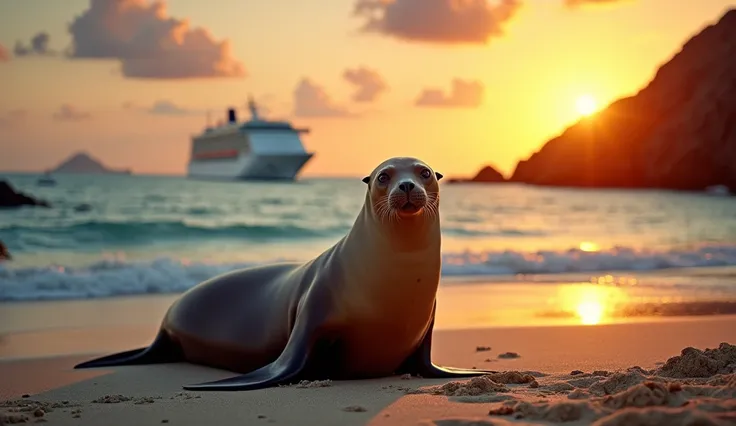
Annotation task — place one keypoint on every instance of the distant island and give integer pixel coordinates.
(678, 132)
(84, 163)
(486, 175)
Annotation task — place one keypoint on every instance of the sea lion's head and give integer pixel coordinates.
(403, 188)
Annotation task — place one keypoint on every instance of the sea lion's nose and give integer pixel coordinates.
(406, 186)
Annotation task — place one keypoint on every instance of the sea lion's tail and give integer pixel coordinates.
(162, 350)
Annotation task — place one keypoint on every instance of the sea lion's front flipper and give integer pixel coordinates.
(420, 363)
(305, 335)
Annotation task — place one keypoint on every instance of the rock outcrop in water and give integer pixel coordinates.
(486, 175)
(10, 198)
(679, 132)
(84, 163)
(4, 253)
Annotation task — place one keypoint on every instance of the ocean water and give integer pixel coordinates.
(127, 235)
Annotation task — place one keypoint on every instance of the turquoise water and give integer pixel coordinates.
(115, 235)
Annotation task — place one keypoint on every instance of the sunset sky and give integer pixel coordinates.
(458, 83)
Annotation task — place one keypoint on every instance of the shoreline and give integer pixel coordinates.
(561, 373)
(452, 343)
(37, 360)
(468, 302)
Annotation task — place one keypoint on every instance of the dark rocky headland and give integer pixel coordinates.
(678, 132)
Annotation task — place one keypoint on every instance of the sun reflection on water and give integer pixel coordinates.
(590, 304)
(590, 312)
(589, 246)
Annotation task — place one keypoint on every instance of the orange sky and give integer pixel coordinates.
(357, 80)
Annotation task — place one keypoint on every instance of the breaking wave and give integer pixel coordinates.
(111, 278)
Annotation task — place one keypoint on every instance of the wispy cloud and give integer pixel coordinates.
(437, 21)
(463, 94)
(39, 46)
(68, 112)
(311, 100)
(368, 83)
(166, 107)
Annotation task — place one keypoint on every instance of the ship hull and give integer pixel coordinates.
(250, 167)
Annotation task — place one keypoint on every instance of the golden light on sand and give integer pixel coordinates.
(590, 312)
(586, 105)
(589, 246)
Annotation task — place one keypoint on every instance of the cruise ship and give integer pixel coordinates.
(256, 149)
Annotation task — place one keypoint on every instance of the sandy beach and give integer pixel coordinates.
(545, 185)
(612, 374)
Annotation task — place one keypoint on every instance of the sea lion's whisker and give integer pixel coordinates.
(383, 209)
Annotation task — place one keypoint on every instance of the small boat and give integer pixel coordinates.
(46, 180)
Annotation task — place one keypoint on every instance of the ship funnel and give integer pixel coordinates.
(231, 118)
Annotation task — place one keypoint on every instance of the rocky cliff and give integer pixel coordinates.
(679, 132)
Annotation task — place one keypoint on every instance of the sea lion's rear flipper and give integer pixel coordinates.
(420, 363)
(162, 350)
(303, 340)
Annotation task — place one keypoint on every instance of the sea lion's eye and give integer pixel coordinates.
(382, 178)
(426, 174)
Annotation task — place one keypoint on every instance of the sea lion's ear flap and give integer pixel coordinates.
(366, 179)
(439, 175)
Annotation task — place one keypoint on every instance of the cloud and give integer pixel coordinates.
(368, 83)
(12, 117)
(149, 43)
(311, 100)
(4, 54)
(161, 107)
(576, 3)
(39, 46)
(68, 112)
(165, 107)
(464, 94)
(437, 21)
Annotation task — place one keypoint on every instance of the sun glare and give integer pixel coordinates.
(590, 312)
(589, 246)
(589, 304)
(586, 105)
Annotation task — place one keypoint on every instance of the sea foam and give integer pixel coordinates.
(109, 278)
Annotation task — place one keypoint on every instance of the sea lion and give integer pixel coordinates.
(364, 308)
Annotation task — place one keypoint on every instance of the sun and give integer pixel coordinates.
(586, 105)
(590, 312)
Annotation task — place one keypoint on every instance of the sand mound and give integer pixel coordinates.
(662, 416)
(483, 385)
(617, 382)
(511, 377)
(693, 362)
(697, 388)
(646, 403)
(473, 387)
